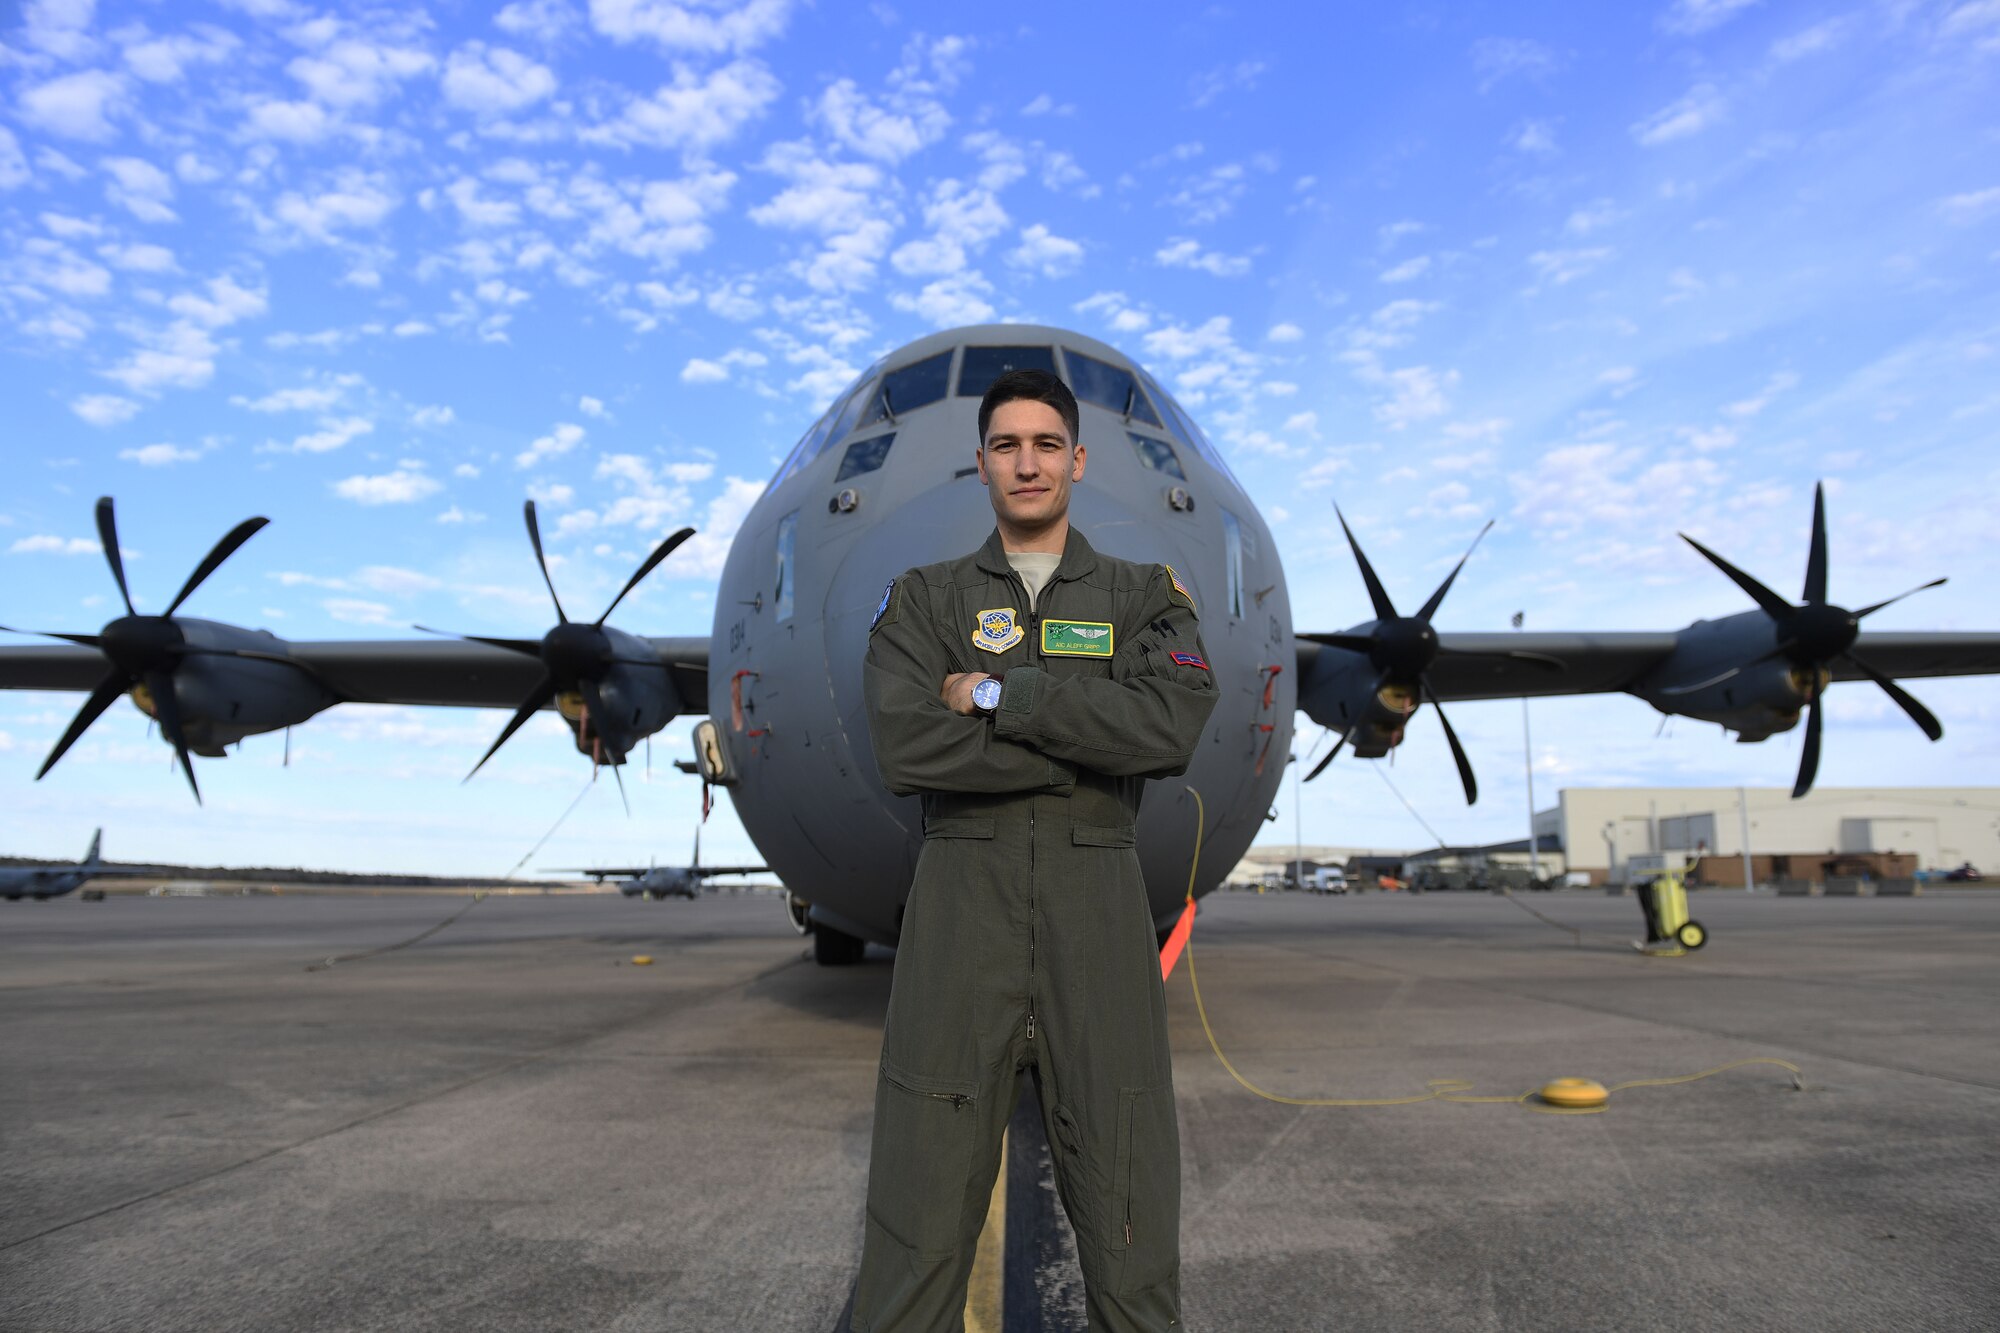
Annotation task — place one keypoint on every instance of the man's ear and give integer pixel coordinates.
(979, 457)
(1076, 466)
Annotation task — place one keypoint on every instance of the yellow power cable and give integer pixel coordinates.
(1441, 1089)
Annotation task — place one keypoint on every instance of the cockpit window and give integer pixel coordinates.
(1156, 454)
(1181, 426)
(916, 385)
(865, 456)
(983, 365)
(839, 419)
(1106, 385)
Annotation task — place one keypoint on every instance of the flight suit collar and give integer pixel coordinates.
(1078, 558)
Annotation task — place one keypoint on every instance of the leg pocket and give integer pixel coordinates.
(1147, 1204)
(925, 1132)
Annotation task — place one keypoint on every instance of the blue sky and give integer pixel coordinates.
(1598, 273)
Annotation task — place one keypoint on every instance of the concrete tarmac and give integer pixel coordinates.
(508, 1126)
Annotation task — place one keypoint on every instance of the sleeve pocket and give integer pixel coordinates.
(1090, 835)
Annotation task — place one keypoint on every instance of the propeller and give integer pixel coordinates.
(143, 652)
(1814, 636)
(575, 654)
(1402, 649)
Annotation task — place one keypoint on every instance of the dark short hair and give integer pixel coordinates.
(1036, 385)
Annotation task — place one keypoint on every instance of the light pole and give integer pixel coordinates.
(1528, 751)
(1298, 826)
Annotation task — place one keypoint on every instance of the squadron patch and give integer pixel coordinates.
(1076, 638)
(1187, 659)
(997, 630)
(882, 608)
(1180, 588)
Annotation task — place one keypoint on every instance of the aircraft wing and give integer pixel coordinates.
(1904, 655)
(598, 872)
(441, 672)
(706, 871)
(1592, 663)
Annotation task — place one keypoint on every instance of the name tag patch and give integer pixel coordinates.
(1076, 638)
(997, 630)
(1187, 659)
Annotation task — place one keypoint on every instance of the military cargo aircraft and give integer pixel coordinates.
(885, 480)
(18, 882)
(656, 882)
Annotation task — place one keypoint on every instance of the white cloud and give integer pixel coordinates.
(1687, 18)
(1285, 333)
(140, 188)
(104, 409)
(1534, 137)
(492, 81)
(859, 124)
(75, 106)
(706, 28)
(1594, 216)
(167, 59)
(1205, 88)
(692, 112)
(1973, 206)
(478, 211)
(313, 398)
(1048, 254)
(1117, 310)
(139, 258)
(1757, 402)
(1183, 252)
(355, 199)
(403, 486)
(59, 27)
(354, 610)
(565, 437)
(1823, 36)
(396, 582)
(290, 122)
(592, 407)
(13, 163)
(699, 371)
(1212, 195)
(1700, 109)
(546, 21)
(43, 544)
(1561, 267)
(1497, 59)
(226, 303)
(351, 72)
(1414, 267)
(333, 433)
(181, 356)
(959, 298)
(160, 455)
(432, 418)
(1417, 393)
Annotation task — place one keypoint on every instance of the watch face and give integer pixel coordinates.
(986, 695)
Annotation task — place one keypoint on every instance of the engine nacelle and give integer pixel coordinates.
(1340, 695)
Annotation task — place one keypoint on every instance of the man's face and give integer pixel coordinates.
(1028, 462)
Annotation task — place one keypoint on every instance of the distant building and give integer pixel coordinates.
(1457, 862)
(1615, 833)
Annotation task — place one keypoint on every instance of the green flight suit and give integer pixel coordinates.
(1027, 944)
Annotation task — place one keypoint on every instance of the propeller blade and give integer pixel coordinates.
(533, 704)
(1919, 714)
(1353, 643)
(1457, 750)
(531, 647)
(1809, 757)
(1871, 610)
(160, 684)
(594, 714)
(82, 640)
(1378, 596)
(1816, 560)
(619, 778)
(1774, 606)
(535, 540)
(1430, 607)
(1320, 767)
(225, 548)
(660, 552)
(101, 698)
(107, 535)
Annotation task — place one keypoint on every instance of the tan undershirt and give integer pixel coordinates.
(1036, 568)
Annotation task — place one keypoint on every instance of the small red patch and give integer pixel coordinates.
(1187, 659)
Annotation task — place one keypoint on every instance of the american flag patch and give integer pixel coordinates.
(1187, 659)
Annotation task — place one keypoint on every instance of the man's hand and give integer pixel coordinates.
(957, 692)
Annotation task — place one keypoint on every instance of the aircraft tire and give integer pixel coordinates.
(1692, 935)
(836, 948)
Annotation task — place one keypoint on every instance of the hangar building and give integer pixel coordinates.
(1611, 833)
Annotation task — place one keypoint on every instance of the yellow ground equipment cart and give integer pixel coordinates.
(1664, 901)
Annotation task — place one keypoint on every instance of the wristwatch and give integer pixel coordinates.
(986, 696)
